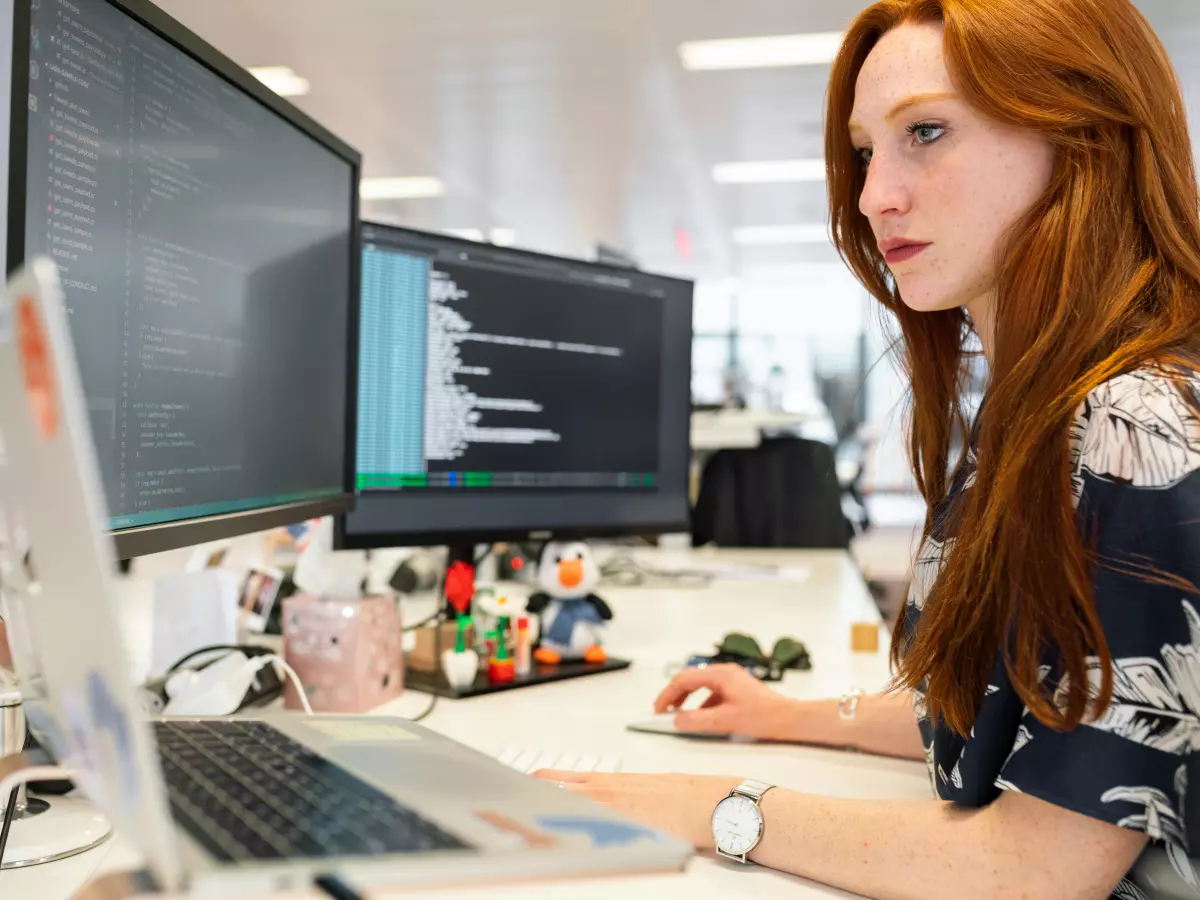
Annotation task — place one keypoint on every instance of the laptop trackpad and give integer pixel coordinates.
(415, 773)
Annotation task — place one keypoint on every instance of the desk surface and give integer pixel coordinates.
(657, 627)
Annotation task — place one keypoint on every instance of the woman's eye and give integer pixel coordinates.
(865, 153)
(926, 134)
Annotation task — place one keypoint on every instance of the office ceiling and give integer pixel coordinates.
(570, 121)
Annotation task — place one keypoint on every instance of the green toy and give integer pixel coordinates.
(502, 668)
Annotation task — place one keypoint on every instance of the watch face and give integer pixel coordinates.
(737, 825)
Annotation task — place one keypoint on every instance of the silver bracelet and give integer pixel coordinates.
(848, 705)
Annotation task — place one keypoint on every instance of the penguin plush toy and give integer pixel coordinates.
(572, 617)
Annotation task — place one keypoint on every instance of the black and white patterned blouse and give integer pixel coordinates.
(1135, 453)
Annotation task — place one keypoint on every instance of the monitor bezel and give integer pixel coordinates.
(346, 540)
(174, 535)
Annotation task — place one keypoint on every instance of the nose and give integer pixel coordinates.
(886, 191)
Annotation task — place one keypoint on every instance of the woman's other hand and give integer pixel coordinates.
(680, 805)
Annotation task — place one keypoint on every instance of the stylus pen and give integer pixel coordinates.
(336, 888)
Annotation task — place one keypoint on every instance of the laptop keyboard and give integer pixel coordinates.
(247, 792)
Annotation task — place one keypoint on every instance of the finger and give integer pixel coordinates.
(582, 790)
(714, 699)
(701, 721)
(564, 777)
(684, 684)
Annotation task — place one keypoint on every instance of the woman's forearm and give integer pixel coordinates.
(928, 850)
(882, 724)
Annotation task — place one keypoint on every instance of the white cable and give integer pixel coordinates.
(295, 679)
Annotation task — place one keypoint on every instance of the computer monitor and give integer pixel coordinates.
(206, 233)
(506, 395)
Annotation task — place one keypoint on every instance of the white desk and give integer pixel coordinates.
(656, 627)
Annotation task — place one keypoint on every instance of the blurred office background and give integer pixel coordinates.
(566, 126)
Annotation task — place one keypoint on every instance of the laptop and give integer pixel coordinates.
(225, 805)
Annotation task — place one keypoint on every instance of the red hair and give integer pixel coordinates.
(1099, 278)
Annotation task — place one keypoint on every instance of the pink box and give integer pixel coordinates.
(349, 655)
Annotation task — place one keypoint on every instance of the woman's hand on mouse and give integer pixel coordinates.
(738, 704)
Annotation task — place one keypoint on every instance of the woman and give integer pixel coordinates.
(1019, 169)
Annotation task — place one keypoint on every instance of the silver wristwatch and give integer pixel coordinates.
(737, 822)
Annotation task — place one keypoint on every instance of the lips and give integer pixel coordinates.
(899, 250)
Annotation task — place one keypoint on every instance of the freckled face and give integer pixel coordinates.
(944, 182)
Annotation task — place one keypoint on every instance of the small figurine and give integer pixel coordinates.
(573, 618)
(502, 668)
(460, 587)
(489, 608)
(524, 650)
(461, 664)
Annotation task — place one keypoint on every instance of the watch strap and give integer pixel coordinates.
(754, 790)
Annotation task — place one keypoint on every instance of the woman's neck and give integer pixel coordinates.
(981, 312)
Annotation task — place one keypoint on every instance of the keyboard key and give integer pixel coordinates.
(529, 761)
(524, 760)
(608, 764)
(509, 755)
(587, 763)
(568, 762)
(543, 760)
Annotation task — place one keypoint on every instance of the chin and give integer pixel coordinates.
(927, 298)
(926, 304)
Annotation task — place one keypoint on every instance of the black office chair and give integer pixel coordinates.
(783, 493)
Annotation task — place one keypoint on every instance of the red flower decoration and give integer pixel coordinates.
(460, 586)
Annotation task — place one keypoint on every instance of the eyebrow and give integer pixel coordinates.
(906, 104)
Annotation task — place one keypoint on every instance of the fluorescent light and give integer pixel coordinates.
(781, 171)
(466, 234)
(281, 80)
(401, 188)
(774, 235)
(815, 49)
(504, 237)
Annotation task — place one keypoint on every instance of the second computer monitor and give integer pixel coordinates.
(505, 394)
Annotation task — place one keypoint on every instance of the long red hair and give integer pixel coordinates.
(1100, 278)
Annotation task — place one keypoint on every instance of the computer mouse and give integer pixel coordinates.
(664, 723)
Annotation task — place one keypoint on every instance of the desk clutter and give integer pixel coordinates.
(348, 651)
(497, 639)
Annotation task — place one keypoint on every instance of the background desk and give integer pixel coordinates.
(657, 627)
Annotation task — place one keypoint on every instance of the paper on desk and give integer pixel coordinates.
(321, 571)
(768, 573)
(744, 572)
(192, 610)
